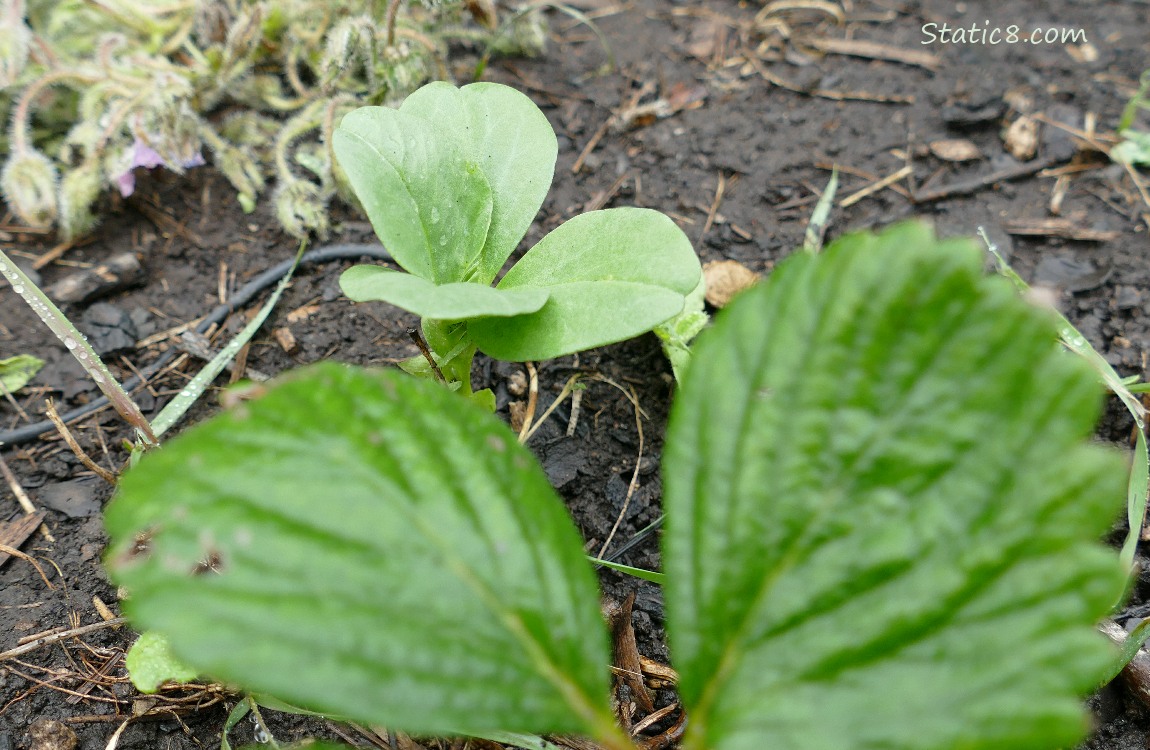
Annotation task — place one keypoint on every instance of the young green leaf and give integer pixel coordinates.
(503, 132)
(15, 372)
(427, 198)
(678, 332)
(456, 301)
(150, 663)
(611, 275)
(367, 544)
(1134, 149)
(882, 514)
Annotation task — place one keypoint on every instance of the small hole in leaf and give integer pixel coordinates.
(140, 549)
(210, 563)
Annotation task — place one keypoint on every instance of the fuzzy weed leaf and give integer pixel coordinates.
(882, 513)
(610, 274)
(366, 544)
(455, 301)
(502, 131)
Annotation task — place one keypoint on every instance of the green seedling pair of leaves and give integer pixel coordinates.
(882, 513)
(451, 181)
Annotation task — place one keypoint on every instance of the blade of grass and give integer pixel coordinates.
(1129, 645)
(820, 217)
(178, 406)
(242, 709)
(646, 575)
(1140, 100)
(78, 345)
(1139, 483)
(1136, 497)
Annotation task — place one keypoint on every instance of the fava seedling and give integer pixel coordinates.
(451, 182)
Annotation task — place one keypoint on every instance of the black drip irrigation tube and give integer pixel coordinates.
(242, 297)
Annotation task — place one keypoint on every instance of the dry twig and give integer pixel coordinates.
(885, 182)
(634, 483)
(965, 187)
(57, 637)
(22, 496)
(720, 188)
(875, 51)
(28, 559)
(79, 452)
(532, 401)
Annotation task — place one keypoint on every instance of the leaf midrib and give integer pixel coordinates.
(582, 704)
(728, 661)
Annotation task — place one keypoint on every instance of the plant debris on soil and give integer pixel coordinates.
(728, 117)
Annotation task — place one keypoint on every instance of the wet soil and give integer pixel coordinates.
(751, 118)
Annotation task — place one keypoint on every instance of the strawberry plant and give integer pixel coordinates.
(882, 521)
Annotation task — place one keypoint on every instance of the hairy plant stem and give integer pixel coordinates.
(21, 118)
(310, 118)
(392, 14)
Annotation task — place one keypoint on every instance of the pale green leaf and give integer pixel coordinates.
(678, 332)
(503, 132)
(427, 198)
(151, 663)
(611, 275)
(15, 372)
(367, 544)
(882, 514)
(1134, 149)
(455, 301)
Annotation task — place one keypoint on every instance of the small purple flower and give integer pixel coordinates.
(144, 155)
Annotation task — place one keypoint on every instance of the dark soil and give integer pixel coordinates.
(739, 170)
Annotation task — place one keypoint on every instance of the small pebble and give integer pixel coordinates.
(49, 734)
(1127, 297)
(517, 383)
(725, 279)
